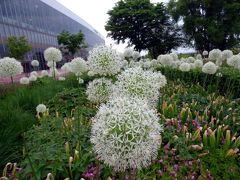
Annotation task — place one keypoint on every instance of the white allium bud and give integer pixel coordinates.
(41, 108)
(215, 54)
(24, 80)
(52, 54)
(126, 133)
(35, 63)
(166, 60)
(185, 67)
(10, 67)
(78, 65)
(209, 68)
(99, 90)
(140, 83)
(104, 61)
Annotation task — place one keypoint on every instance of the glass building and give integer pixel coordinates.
(40, 21)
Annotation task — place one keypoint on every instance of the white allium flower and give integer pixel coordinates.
(140, 83)
(234, 61)
(185, 67)
(227, 54)
(198, 63)
(41, 108)
(219, 62)
(104, 61)
(199, 56)
(99, 90)
(44, 73)
(10, 67)
(32, 78)
(190, 60)
(78, 65)
(126, 133)
(66, 67)
(52, 64)
(209, 68)
(35, 63)
(80, 81)
(174, 56)
(24, 80)
(205, 53)
(90, 73)
(215, 54)
(34, 73)
(165, 60)
(52, 54)
(61, 78)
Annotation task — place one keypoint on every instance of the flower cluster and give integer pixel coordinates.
(140, 83)
(41, 108)
(215, 54)
(99, 90)
(126, 133)
(24, 81)
(104, 61)
(52, 54)
(35, 63)
(198, 63)
(78, 66)
(10, 67)
(165, 60)
(234, 61)
(185, 67)
(209, 68)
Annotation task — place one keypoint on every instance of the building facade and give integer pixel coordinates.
(40, 21)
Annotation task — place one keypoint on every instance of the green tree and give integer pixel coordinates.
(144, 25)
(72, 42)
(18, 47)
(208, 24)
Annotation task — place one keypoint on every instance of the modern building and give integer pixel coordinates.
(40, 21)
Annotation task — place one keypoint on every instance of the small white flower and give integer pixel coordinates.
(199, 56)
(166, 60)
(215, 54)
(32, 78)
(227, 54)
(219, 74)
(209, 68)
(34, 73)
(205, 53)
(35, 63)
(44, 73)
(66, 67)
(41, 108)
(80, 81)
(198, 63)
(78, 65)
(234, 61)
(24, 80)
(90, 73)
(185, 67)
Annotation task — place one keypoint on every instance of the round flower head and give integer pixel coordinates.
(199, 56)
(185, 67)
(80, 81)
(34, 73)
(99, 90)
(174, 56)
(227, 54)
(90, 73)
(24, 80)
(35, 63)
(215, 54)
(209, 68)
(198, 63)
(135, 55)
(10, 67)
(66, 67)
(190, 60)
(104, 61)
(205, 53)
(234, 61)
(165, 60)
(78, 65)
(41, 108)
(140, 83)
(44, 73)
(32, 78)
(52, 54)
(126, 133)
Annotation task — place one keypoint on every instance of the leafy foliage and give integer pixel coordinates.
(18, 47)
(209, 24)
(145, 25)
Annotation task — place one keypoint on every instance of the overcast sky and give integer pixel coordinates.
(95, 13)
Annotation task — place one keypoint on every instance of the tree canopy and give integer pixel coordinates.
(208, 24)
(72, 42)
(18, 47)
(144, 25)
